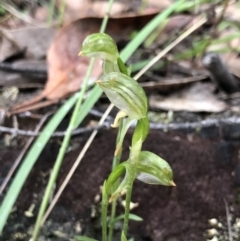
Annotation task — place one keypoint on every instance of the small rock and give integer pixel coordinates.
(212, 232)
(213, 222)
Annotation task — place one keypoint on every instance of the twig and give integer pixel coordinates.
(98, 113)
(220, 17)
(193, 125)
(228, 220)
(55, 134)
(217, 22)
(22, 153)
(154, 126)
(194, 27)
(26, 70)
(21, 16)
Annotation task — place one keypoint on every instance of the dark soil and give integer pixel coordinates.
(204, 171)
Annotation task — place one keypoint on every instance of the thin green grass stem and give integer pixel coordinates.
(112, 217)
(51, 12)
(149, 28)
(61, 11)
(104, 214)
(116, 161)
(61, 154)
(106, 17)
(132, 171)
(133, 159)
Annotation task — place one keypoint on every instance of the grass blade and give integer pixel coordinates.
(30, 159)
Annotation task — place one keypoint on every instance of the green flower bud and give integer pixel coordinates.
(126, 94)
(100, 45)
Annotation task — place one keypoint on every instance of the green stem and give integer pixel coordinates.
(51, 12)
(111, 224)
(61, 12)
(132, 173)
(106, 17)
(133, 159)
(114, 202)
(104, 213)
(116, 161)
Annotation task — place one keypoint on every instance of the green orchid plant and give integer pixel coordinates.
(129, 97)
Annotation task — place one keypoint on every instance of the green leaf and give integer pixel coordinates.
(126, 94)
(131, 217)
(123, 237)
(116, 173)
(84, 238)
(123, 69)
(152, 169)
(141, 131)
(113, 177)
(109, 67)
(125, 126)
(100, 45)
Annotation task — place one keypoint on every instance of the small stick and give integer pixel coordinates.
(55, 134)
(228, 220)
(193, 125)
(153, 126)
(200, 21)
(75, 165)
(32, 104)
(21, 16)
(217, 22)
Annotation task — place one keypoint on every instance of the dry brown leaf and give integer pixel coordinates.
(164, 86)
(232, 61)
(66, 69)
(41, 14)
(100, 8)
(233, 12)
(159, 4)
(36, 41)
(8, 47)
(197, 98)
(85, 8)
